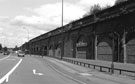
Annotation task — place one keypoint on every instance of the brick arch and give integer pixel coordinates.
(104, 49)
(81, 47)
(131, 50)
(106, 38)
(44, 50)
(68, 48)
(130, 36)
(51, 50)
(57, 49)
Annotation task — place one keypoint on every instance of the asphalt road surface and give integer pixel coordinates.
(38, 70)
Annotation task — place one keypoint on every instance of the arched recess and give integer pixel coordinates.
(130, 46)
(58, 51)
(51, 52)
(44, 50)
(104, 49)
(131, 51)
(81, 47)
(68, 48)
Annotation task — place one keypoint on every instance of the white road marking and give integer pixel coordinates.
(35, 73)
(6, 77)
(85, 74)
(4, 58)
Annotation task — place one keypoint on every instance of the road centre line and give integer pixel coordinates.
(6, 77)
(4, 58)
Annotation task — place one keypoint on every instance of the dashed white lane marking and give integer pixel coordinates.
(6, 77)
(35, 73)
(4, 58)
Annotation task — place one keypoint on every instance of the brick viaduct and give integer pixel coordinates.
(107, 35)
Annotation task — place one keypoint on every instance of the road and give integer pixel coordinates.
(38, 70)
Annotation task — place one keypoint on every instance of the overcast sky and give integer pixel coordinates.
(18, 17)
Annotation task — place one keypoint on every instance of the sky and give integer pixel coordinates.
(22, 20)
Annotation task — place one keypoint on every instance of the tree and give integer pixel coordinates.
(94, 9)
(5, 49)
(119, 1)
(0, 46)
(16, 48)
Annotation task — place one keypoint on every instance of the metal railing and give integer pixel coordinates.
(85, 64)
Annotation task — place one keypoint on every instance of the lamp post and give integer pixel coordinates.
(62, 14)
(62, 34)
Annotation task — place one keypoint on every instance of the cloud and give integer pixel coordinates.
(50, 14)
(1, 29)
(28, 20)
(11, 35)
(43, 19)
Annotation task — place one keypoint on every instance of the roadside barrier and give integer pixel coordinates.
(117, 66)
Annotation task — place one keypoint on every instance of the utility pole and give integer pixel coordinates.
(62, 14)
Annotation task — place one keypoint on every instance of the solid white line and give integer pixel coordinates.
(6, 77)
(4, 58)
(66, 75)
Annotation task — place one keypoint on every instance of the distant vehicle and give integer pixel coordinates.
(21, 54)
(6, 53)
